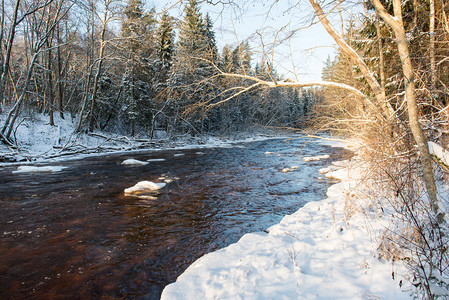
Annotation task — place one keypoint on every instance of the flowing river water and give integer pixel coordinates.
(73, 234)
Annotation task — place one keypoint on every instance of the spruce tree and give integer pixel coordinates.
(138, 47)
(164, 48)
(192, 66)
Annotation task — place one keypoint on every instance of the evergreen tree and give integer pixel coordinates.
(209, 36)
(241, 57)
(226, 62)
(164, 51)
(138, 30)
(192, 69)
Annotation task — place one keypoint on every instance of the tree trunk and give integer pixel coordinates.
(384, 108)
(14, 112)
(397, 26)
(50, 94)
(381, 60)
(98, 74)
(433, 67)
(60, 75)
(9, 43)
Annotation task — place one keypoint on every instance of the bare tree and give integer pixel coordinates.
(92, 100)
(38, 50)
(396, 24)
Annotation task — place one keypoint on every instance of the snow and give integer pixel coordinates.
(441, 153)
(324, 170)
(155, 159)
(315, 158)
(442, 156)
(144, 187)
(37, 141)
(134, 162)
(316, 253)
(37, 169)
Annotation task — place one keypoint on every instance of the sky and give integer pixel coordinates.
(301, 49)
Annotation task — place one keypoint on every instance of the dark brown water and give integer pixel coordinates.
(74, 235)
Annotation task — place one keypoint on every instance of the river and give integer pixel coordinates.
(73, 234)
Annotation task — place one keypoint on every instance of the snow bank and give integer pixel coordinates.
(134, 162)
(38, 141)
(144, 187)
(315, 253)
(35, 169)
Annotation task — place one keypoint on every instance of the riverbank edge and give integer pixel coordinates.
(30, 157)
(325, 250)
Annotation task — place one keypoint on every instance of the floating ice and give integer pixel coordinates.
(285, 170)
(35, 169)
(178, 154)
(269, 153)
(155, 159)
(134, 162)
(316, 158)
(143, 187)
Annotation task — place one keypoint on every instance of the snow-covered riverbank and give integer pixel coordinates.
(326, 250)
(38, 142)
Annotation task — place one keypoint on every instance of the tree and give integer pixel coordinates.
(90, 99)
(397, 25)
(138, 30)
(164, 48)
(46, 30)
(192, 66)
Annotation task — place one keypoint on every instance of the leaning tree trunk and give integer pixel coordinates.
(383, 107)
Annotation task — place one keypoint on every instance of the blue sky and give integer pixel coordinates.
(302, 55)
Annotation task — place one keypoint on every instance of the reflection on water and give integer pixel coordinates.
(74, 234)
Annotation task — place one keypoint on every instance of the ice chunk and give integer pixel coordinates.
(35, 169)
(316, 158)
(269, 153)
(145, 187)
(134, 162)
(155, 159)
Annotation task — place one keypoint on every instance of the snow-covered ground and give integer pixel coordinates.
(326, 250)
